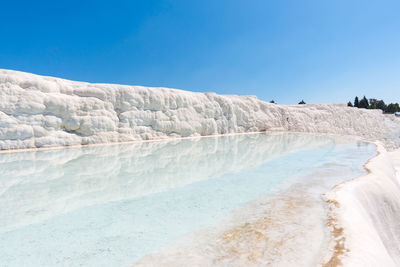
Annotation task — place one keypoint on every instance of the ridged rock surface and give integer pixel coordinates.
(39, 111)
(366, 213)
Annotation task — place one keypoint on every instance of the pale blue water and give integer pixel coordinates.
(111, 205)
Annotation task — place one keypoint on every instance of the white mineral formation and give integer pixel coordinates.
(365, 215)
(38, 111)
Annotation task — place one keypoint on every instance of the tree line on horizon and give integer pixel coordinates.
(373, 103)
(302, 102)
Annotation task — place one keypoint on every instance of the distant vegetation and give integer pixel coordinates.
(300, 103)
(373, 103)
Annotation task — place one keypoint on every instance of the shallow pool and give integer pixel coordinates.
(111, 205)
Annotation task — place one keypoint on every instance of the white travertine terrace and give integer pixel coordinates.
(366, 213)
(39, 111)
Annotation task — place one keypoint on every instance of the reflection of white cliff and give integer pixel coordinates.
(38, 111)
(40, 184)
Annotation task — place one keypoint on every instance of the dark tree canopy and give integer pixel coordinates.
(363, 103)
(302, 102)
(356, 103)
(392, 108)
(272, 101)
(381, 105)
(374, 103)
(349, 104)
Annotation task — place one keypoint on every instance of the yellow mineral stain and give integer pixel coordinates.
(252, 240)
(339, 248)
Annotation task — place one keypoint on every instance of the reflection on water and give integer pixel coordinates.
(110, 205)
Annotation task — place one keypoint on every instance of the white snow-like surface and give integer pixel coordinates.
(368, 211)
(38, 111)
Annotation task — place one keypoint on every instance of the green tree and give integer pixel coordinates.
(349, 104)
(272, 101)
(363, 103)
(392, 108)
(302, 102)
(372, 103)
(356, 103)
(397, 107)
(380, 105)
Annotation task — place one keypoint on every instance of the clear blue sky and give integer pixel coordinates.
(319, 51)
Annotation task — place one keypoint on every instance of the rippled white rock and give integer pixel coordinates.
(367, 213)
(39, 111)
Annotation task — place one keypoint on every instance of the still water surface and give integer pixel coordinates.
(111, 205)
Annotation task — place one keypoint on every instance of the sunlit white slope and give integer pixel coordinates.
(367, 209)
(39, 111)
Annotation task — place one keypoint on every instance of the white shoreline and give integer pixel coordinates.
(356, 240)
(173, 138)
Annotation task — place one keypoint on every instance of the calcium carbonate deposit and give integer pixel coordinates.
(365, 215)
(39, 111)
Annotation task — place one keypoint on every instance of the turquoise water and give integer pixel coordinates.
(111, 205)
